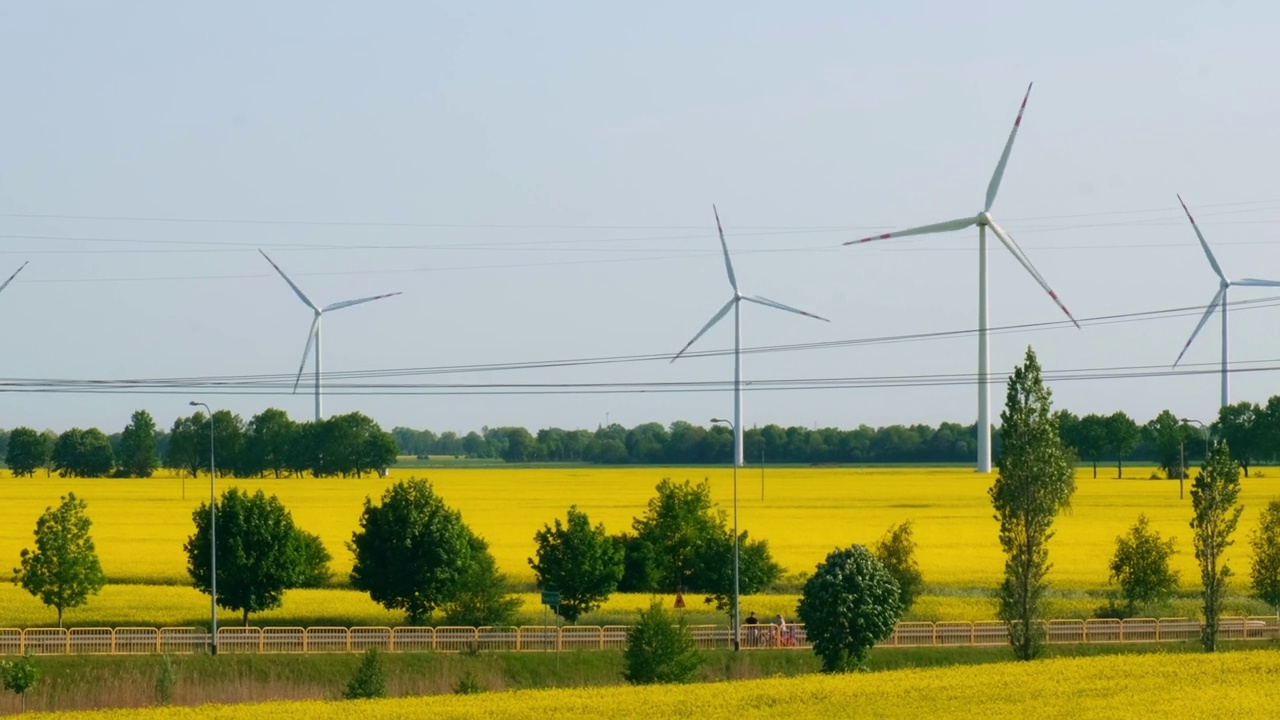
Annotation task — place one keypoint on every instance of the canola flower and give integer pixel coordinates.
(1237, 684)
(140, 525)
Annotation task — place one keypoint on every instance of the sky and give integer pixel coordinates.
(538, 181)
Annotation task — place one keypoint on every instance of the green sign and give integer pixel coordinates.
(550, 597)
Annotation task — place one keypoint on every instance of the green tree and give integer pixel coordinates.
(411, 550)
(1035, 482)
(896, 551)
(1240, 426)
(1168, 436)
(1123, 436)
(370, 679)
(20, 676)
(268, 439)
(659, 649)
(138, 446)
(63, 570)
(260, 552)
(65, 459)
(1213, 498)
(676, 524)
(1091, 440)
(1265, 540)
(1141, 567)
(757, 570)
(27, 452)
(482, 596)
(184, 444)
(582, 563)
(847, 606)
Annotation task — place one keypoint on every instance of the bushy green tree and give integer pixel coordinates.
(1035, 482)
(138, 446)
(1141, 567)
(896, 551)
(20, 676)
(659, 649)
(1265, 540)
(1214, 497)
(757, 570)
(411, 550)
(63, 570)
(679, 520)
(27, 452)
(482, 595)
(1241, 427)
(847, 606)
(261, 553)
(1123, 436)
(582, 563)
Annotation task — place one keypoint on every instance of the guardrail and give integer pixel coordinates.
(255, 640)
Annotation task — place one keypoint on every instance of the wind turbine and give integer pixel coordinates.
(1219, 300)
(313, 336)
(735, 304)
(984, 220)
(11, 277)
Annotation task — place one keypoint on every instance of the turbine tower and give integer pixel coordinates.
(984, 221)
(735, 304)
(11, 277)
(1219, 300)
(313, 336)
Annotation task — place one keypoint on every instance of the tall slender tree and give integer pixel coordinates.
(1213, 498)
(1035, 482)
(138, 446)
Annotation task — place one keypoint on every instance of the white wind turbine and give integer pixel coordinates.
(984, 220)
(313, 336)
(735, 304)
(1219, 300)
(11, 277)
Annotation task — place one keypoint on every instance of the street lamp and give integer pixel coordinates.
(737, 617)
(213, 542)
(1203, 427)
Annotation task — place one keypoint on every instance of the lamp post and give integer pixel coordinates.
(1203, 427)
(737, 618)
(213, 542)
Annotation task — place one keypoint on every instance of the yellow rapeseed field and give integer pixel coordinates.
(1236, 684)
(140, 525)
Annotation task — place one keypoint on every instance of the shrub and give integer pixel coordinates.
(467, 684)
(896, 551)
(1141, 567)
(659, 649)
(370, 680)
(850, 604)
(166, 680)
(20, 676)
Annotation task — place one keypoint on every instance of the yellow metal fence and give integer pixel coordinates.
(186, 640)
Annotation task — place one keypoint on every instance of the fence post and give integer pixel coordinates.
(973, 634)
(933, 627)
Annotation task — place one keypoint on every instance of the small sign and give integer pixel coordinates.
(550, 597)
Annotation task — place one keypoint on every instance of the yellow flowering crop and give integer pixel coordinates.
(1236, 684)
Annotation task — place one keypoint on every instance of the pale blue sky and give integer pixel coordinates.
(620, 126)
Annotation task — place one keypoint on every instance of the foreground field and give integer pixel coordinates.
(140, 525)
(1237, 684)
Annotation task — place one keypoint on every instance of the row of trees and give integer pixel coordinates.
(1252, 431)
(269, 443)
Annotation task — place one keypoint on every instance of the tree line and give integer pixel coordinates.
(270, 443)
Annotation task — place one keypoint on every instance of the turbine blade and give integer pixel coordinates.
(1213, 305)
(775, 304)
(11, 277)
(298, 291)
(994, 186)
(947, 226)
(1207, 252)
(349, 303)
(728, 264)
(1026, 263)
(1252, 282)
(306, 351)
(714, 319)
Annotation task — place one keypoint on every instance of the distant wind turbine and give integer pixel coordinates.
(735, 304)
(984, 220)
(313, 336)
(1219, 300)
(11, 277)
